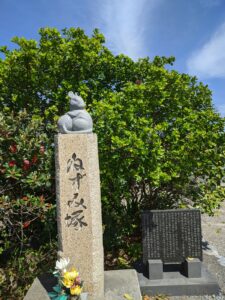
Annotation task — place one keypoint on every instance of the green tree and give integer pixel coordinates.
(161, 142)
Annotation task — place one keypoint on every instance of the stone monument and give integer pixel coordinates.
(78, 196)
(79, 212)
(172, 254)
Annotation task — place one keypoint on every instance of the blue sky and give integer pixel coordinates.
(191, 30)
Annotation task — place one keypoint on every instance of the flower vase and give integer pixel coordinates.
(83, 296)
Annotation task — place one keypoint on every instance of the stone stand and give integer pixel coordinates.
(117, 284)
(175, 283)
(155, 269)
(193, 268)
(79, 208)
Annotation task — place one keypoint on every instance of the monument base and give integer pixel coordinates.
(174, 283)
(117, 283)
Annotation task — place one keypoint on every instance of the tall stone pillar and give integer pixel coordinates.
(78, 196)
(79, 207)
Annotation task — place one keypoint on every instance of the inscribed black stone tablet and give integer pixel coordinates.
(171, 235)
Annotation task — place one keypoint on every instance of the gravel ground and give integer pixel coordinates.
(213, 231)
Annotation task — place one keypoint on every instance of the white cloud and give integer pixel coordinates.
(221, 109)
(123, 23)
(209, 61)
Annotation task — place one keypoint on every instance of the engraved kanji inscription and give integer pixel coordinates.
(75, 217)
(76, 180)
(80, 203)
(74, 163)
(171, 235)
(71, 201)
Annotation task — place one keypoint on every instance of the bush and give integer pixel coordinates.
(27, 201)
(18, 273)
(161, 146)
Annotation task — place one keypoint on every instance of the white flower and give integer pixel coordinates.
(61, 264)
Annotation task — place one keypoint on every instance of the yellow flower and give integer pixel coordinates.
(75, 290)
(69, 278)
(67, 283)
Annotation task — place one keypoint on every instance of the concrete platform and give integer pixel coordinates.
(117, 283)
(120, 282)
(176, 284)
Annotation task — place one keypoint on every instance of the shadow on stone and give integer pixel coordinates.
(138, 266)
(205, 245)
(172, 267)
(48, 281)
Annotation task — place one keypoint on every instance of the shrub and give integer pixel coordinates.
(27, 201)
(161, 146)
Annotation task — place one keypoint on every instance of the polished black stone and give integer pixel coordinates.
(171, 235)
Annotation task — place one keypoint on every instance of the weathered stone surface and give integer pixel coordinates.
(37, 291)
(193, 268)
(79, 207)
(155, 269)
(41, 286)
(121, 282)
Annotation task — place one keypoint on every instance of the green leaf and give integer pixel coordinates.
(63, 297)
(57, 288)
(52, 295)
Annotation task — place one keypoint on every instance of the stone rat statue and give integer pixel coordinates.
(77, 120)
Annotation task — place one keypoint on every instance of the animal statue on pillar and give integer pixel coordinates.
(77, 120)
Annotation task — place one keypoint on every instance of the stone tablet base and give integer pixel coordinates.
(117, 283)
(176, 284)
(120, 282)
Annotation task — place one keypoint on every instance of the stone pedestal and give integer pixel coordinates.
(193, 268)
(117, 284)
(155, 269)
(79, 208)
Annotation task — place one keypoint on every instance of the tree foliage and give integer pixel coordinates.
(27, 206)
(161, 142)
